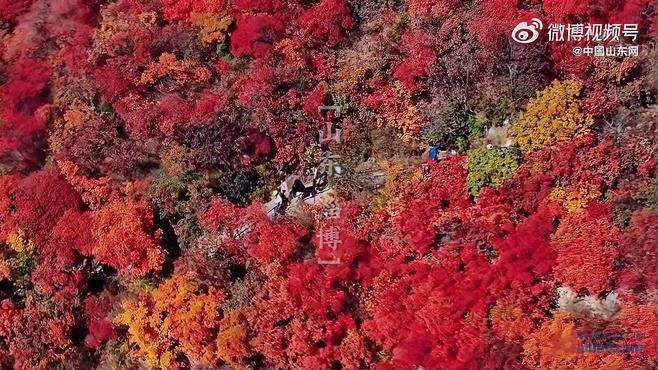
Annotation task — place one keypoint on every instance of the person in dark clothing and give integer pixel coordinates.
(283, 202)
(298, 188)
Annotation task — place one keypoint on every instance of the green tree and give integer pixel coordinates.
(490, 167)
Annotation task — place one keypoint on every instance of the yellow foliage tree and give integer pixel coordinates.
(553, 116)
(22, 261)
(180, 317)
(18, 242)
(575, 197)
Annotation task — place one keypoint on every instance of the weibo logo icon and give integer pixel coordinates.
(525, 33)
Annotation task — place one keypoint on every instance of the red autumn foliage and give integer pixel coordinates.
(313, 100)
(11, 9)
(22, 136)
(327, 22)
(140, 141)
(495, 21)
(638, 252)
(420, 57)
(100, 327)
(577, 237)
(254, 35)
(265, 6)
(111, 82)
(39, 200)
(7, 187)
(258, 146)
(270, 242)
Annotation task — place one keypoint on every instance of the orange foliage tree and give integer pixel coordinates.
(126, 239)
